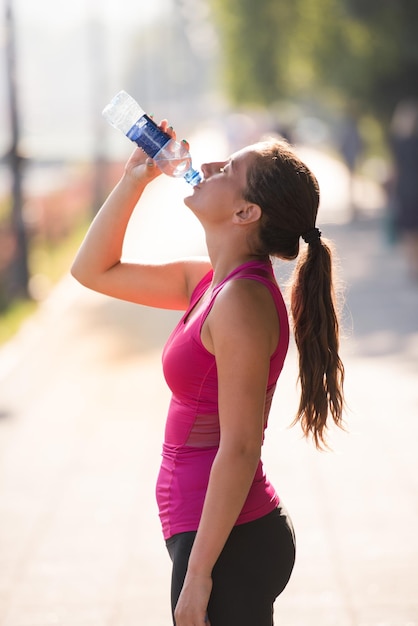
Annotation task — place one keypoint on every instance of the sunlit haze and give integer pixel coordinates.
(63, 14)
(70, 56)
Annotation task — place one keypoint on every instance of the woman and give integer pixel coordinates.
(230, 539)
(404, 145)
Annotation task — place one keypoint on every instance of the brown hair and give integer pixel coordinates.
(288, 194)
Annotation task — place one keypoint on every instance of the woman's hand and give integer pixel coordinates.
(142, 168)
(191, 609)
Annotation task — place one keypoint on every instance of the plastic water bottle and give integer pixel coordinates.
(172, 157)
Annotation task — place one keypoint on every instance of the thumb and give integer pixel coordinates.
(152, 169)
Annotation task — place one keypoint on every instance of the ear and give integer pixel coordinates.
(247, 214)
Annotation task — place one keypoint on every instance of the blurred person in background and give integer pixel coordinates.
(404, 146)
(351, 147)
(227, 532)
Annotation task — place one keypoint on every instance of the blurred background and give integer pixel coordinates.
(82, 400)
(322, 72)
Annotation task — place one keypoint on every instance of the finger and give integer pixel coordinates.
(169, 130)
(163, 125)
(152, 170)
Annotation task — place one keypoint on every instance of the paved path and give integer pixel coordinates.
(82, 406)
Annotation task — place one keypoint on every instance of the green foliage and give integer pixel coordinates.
(248, 34)
(48, 264)
(13, 317)
(365, 51)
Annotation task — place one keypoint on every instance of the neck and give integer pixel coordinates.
(225, 258)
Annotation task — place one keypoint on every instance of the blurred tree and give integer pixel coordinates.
(388, 53)
(255, 43)
(363, 51)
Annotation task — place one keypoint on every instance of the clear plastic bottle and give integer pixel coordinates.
(172, 157)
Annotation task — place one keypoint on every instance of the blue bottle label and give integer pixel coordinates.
(146, 134)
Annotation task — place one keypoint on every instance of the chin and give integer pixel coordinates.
(188, 201)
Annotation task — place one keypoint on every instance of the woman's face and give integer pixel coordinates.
(221, 191)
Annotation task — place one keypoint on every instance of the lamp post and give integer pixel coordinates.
(19, 273)
(98, 75)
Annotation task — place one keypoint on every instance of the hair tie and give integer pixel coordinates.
(311, 235)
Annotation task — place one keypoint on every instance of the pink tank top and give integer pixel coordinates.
(192, 429)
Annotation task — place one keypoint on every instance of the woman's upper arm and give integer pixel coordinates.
(165, 285)
(243, 328)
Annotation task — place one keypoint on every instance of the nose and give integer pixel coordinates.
(208, 169)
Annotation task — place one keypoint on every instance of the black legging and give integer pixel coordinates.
(251, 571)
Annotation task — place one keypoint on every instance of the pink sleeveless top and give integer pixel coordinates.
(192, 429)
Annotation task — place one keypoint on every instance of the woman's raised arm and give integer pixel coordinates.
(98, 263)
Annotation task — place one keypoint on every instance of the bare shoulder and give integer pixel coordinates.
(244, 310)
(245, 299)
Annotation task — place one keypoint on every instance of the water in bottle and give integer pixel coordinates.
(172, 157)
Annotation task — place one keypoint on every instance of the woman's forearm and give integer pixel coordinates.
(102, 246)
(230, 481)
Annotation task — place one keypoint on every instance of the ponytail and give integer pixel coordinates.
(288, 194)
(316, 331)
